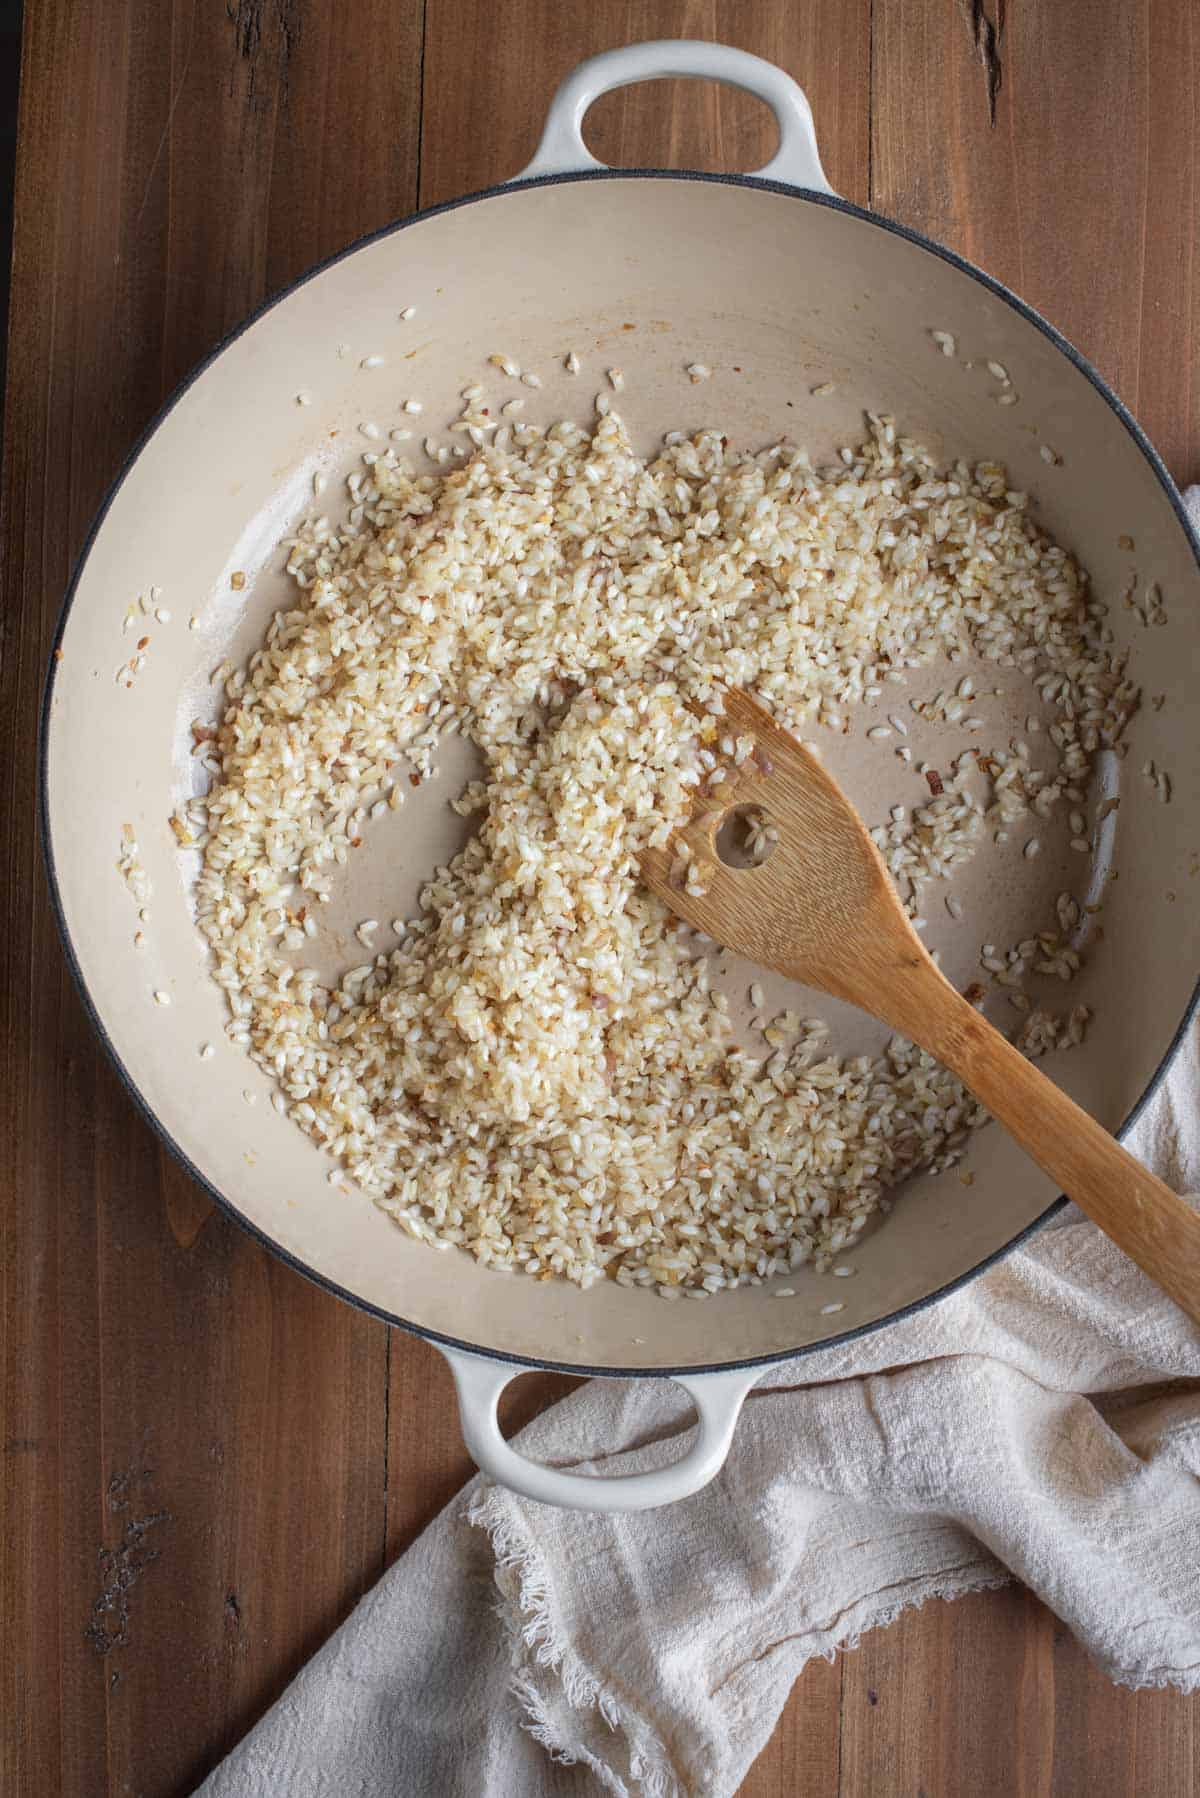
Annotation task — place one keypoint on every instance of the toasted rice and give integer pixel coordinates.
(539, 1072)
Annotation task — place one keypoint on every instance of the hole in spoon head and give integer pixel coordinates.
(746, 837)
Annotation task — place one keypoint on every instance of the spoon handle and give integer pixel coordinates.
(1154, 1227)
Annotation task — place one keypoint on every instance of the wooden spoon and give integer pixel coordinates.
(822, 909)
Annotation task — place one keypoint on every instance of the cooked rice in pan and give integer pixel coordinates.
(539, 1071)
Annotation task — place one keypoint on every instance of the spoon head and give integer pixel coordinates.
(822, 893)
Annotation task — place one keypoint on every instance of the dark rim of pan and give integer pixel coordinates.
(802, 196)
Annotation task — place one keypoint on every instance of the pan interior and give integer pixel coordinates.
(777, 295)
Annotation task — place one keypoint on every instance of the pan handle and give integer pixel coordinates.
(718, 1400)
(562, 150)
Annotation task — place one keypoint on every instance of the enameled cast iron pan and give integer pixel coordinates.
(778, 286)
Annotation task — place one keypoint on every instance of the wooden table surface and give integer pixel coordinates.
(207, 1460)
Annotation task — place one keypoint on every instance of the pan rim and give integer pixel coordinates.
(804, 196)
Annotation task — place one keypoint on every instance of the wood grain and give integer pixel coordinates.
(1084, 196)
(205, 1458)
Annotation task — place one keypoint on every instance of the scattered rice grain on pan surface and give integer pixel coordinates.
(537, 1072)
